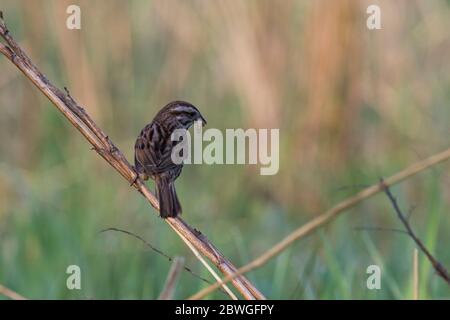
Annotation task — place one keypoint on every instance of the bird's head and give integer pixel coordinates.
(184, 112)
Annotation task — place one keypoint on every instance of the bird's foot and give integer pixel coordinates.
(138, 175)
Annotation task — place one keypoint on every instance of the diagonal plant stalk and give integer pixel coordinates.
(172, 279)
(328, 216)
(441, 271)
(101, 143)
(4, 291)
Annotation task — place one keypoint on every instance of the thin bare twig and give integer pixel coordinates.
(324, 218)
(158, 251)
(10, 293)
(172, 279)
(438, 267)
(225, 288)
(101, 143)
(381, 229)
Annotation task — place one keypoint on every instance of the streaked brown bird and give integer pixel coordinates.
(153, 152)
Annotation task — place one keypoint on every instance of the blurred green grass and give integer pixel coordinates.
(351, 106)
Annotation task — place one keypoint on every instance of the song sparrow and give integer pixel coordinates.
(153, 150)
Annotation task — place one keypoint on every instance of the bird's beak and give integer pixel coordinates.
(203, 121)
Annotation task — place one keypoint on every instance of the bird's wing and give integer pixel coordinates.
(153, 151)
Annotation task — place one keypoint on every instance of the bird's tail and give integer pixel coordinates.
(169, 205)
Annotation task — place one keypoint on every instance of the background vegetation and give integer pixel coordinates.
(352, 105)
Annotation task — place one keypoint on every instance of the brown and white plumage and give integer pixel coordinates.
(153, 150)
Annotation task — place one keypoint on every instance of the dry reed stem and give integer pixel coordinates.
(416, 274)
(172, 279)
(207, 266)
(10, 294)
(108, 151)
(328, 216)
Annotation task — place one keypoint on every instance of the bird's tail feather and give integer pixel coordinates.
(169, 205)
